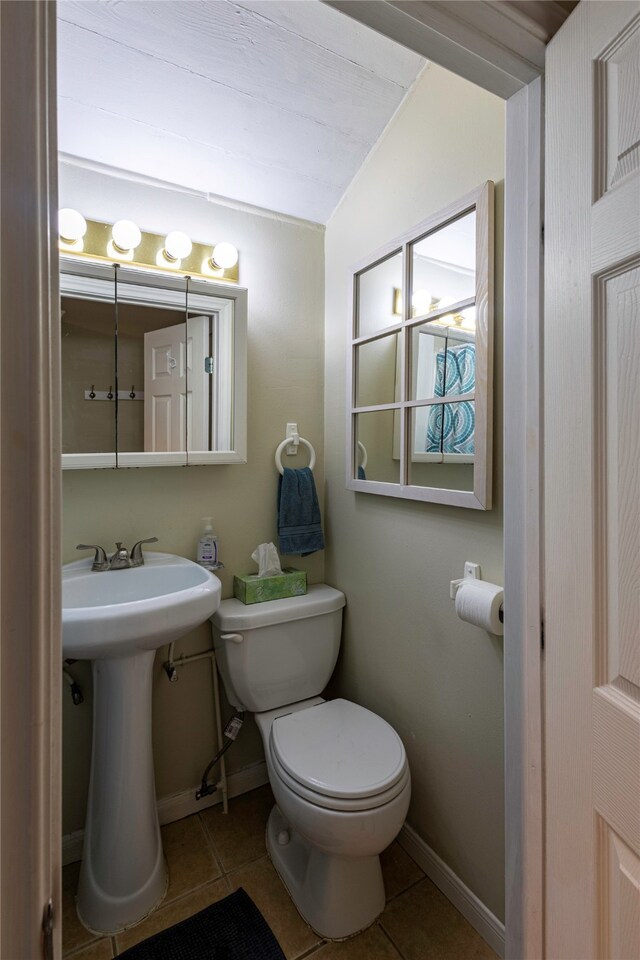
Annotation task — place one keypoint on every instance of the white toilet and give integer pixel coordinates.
(339, 772)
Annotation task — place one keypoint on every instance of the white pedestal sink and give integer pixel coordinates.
(118, 619)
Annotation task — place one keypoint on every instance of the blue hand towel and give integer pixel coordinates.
(299, 521)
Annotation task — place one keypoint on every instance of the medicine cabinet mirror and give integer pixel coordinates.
(153, 369)
(422, 361)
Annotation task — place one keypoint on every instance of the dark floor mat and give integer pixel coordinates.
(231, 929)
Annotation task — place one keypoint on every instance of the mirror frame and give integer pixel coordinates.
(86, 279)
(482, 200)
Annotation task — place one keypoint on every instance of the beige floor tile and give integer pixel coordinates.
(269, 894)
(424, 925)
(189, 857)
(173, 913)
(100, 950)
(238, 836)
(398, 869)
(370, 945)
(74, 935)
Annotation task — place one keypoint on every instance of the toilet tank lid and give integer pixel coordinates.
(234, 615)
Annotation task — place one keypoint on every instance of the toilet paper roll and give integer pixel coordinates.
(479, 602)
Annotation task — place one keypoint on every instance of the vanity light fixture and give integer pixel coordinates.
(177, 246)
(464, 320)
(124, 242)
(224, 256)
(422, 302)
(72, 226)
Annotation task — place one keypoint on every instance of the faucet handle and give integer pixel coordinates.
(100, 561)
(137, 556)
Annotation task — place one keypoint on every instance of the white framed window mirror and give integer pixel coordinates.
(420, 375)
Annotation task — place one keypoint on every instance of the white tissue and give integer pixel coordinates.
(266, 556)
(479, 602)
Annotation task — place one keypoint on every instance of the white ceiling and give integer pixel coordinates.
(269, 102)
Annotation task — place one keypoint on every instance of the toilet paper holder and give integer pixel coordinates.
(471, 571)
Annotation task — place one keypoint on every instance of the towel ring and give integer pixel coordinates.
(363, 450)
(285, 443)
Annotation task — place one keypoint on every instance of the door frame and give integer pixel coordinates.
(30, 626)
(523, 524)
(503, 51)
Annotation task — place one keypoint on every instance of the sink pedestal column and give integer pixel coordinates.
(123, 875)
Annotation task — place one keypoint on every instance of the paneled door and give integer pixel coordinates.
(176, 399)
(592, 485)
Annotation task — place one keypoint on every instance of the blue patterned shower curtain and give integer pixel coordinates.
(451, 426)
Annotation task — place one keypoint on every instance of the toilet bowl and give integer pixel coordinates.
(338, 772)
(332, 817)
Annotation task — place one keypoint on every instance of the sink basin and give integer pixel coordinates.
(118, 619)
(115, 613)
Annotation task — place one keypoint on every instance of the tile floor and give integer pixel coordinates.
(210, 855)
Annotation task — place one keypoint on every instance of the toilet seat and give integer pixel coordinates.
(339, 755)
(335, 803)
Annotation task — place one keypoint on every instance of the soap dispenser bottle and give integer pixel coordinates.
(208, 546)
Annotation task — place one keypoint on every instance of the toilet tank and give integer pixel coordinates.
(280, 651)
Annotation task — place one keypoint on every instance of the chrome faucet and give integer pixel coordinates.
(121, 559)
(101, 560)
(137, 556)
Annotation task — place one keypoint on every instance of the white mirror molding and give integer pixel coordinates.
(95, 282)
(400, 390)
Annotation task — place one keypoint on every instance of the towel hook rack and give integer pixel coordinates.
(294, 439)
(363, 450)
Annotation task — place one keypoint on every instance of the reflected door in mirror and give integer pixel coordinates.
(165, 389)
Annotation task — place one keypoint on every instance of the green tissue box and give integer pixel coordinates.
(255, 589)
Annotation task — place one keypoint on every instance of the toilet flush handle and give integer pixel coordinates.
(234, 637)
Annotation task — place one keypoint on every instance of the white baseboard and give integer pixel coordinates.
(72, 844)
(180, 805)
(469, 905)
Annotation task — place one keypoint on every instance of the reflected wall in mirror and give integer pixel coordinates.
(374, 441)
(376, 366)
(376, 312)
(88, 331)
(428, 363)
(154, 369)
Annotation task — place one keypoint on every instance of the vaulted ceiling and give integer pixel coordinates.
(269, 102)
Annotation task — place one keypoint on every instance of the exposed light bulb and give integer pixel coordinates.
(72, 226)
(177, 246)
(421, 301)
(126, 235)
(224, 256)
